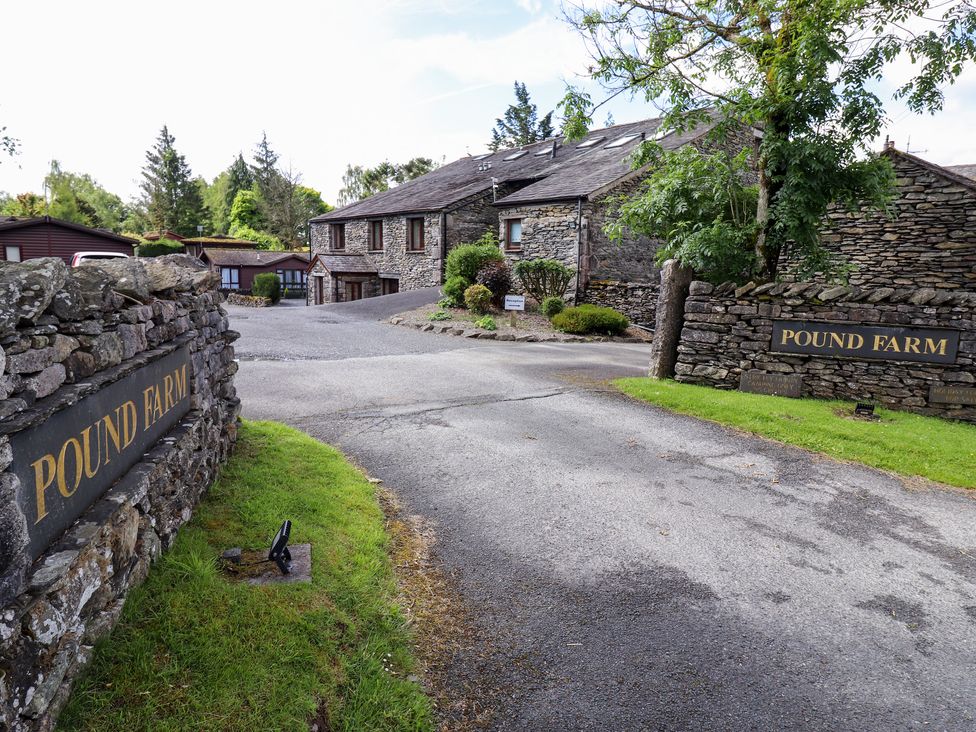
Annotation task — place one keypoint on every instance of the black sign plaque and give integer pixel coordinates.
(854, 340)
(952, 395)
(67, 462)
(759, 382)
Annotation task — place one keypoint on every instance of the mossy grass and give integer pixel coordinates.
(197, 651)
(904, 443)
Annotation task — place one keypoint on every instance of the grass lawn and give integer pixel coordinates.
(194, 651)
(903, 443)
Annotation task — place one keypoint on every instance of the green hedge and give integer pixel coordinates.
(159, 248)
(585, 319)
(267, 285)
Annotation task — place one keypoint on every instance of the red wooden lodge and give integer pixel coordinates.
(29, 238)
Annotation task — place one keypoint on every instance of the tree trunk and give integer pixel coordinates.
(764, 271)
(768, 242)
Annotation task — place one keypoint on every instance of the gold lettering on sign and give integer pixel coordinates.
(62, 465)
(936, 348)
(82, 456)
(90, 471)
(44, 471)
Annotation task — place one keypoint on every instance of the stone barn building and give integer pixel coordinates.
(928, 240)
(546, 200)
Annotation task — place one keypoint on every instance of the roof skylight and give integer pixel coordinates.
(483, 156)
(621, 141)
(539, 154)
(591, 142)
(516, 155)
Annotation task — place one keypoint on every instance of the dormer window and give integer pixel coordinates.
(591, 142)
(620, 142)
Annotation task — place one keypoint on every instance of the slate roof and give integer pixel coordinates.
(574, 172)
(345, 263)
(17, 222)
(967, 170)
(589, 170)
(250, 257)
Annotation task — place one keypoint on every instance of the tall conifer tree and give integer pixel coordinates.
(172, 198)
(521, 124)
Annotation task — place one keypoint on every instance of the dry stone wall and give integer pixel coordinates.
(636, 300)
(69, 337)
(928, 241)
(728, 332)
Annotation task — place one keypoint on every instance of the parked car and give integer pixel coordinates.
(80, 257)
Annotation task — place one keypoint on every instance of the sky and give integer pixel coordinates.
(331, 83)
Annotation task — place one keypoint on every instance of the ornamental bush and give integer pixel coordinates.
(478, 299)
(467, 259)
(552, 306)
(439, 315)
(543, 278)
(497, 277)
(453, 291)
(267, 285)
(585, 319)
(486, 323)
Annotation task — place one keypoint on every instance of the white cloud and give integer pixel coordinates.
(332, 83)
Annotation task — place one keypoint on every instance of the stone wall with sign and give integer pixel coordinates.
(910, 349)
(117, 407)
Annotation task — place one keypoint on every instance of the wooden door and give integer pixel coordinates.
(354, 291)
(319, 291)
(391, 286)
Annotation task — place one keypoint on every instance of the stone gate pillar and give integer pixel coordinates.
(675, 280)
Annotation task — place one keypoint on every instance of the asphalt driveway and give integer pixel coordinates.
(637, 569)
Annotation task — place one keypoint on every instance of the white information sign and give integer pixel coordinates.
(515, 302)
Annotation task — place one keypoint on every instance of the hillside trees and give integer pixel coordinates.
(79, 198)
(359, 182)
(805, 73)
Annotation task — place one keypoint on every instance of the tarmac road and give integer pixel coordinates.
(636, 569)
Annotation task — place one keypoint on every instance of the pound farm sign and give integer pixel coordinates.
(851, 340)
(67, 462)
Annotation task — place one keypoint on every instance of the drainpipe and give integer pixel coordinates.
(579, 250)
(443, 243)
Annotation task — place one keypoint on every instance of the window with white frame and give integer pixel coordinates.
(11, 253)
(230, 278)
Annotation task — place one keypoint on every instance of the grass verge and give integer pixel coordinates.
(901, 442)
(195, 651)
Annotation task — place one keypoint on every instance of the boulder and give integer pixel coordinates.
(27, 288)
(126, 276)
(47, 381)
(87, 291)
(179, 273)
